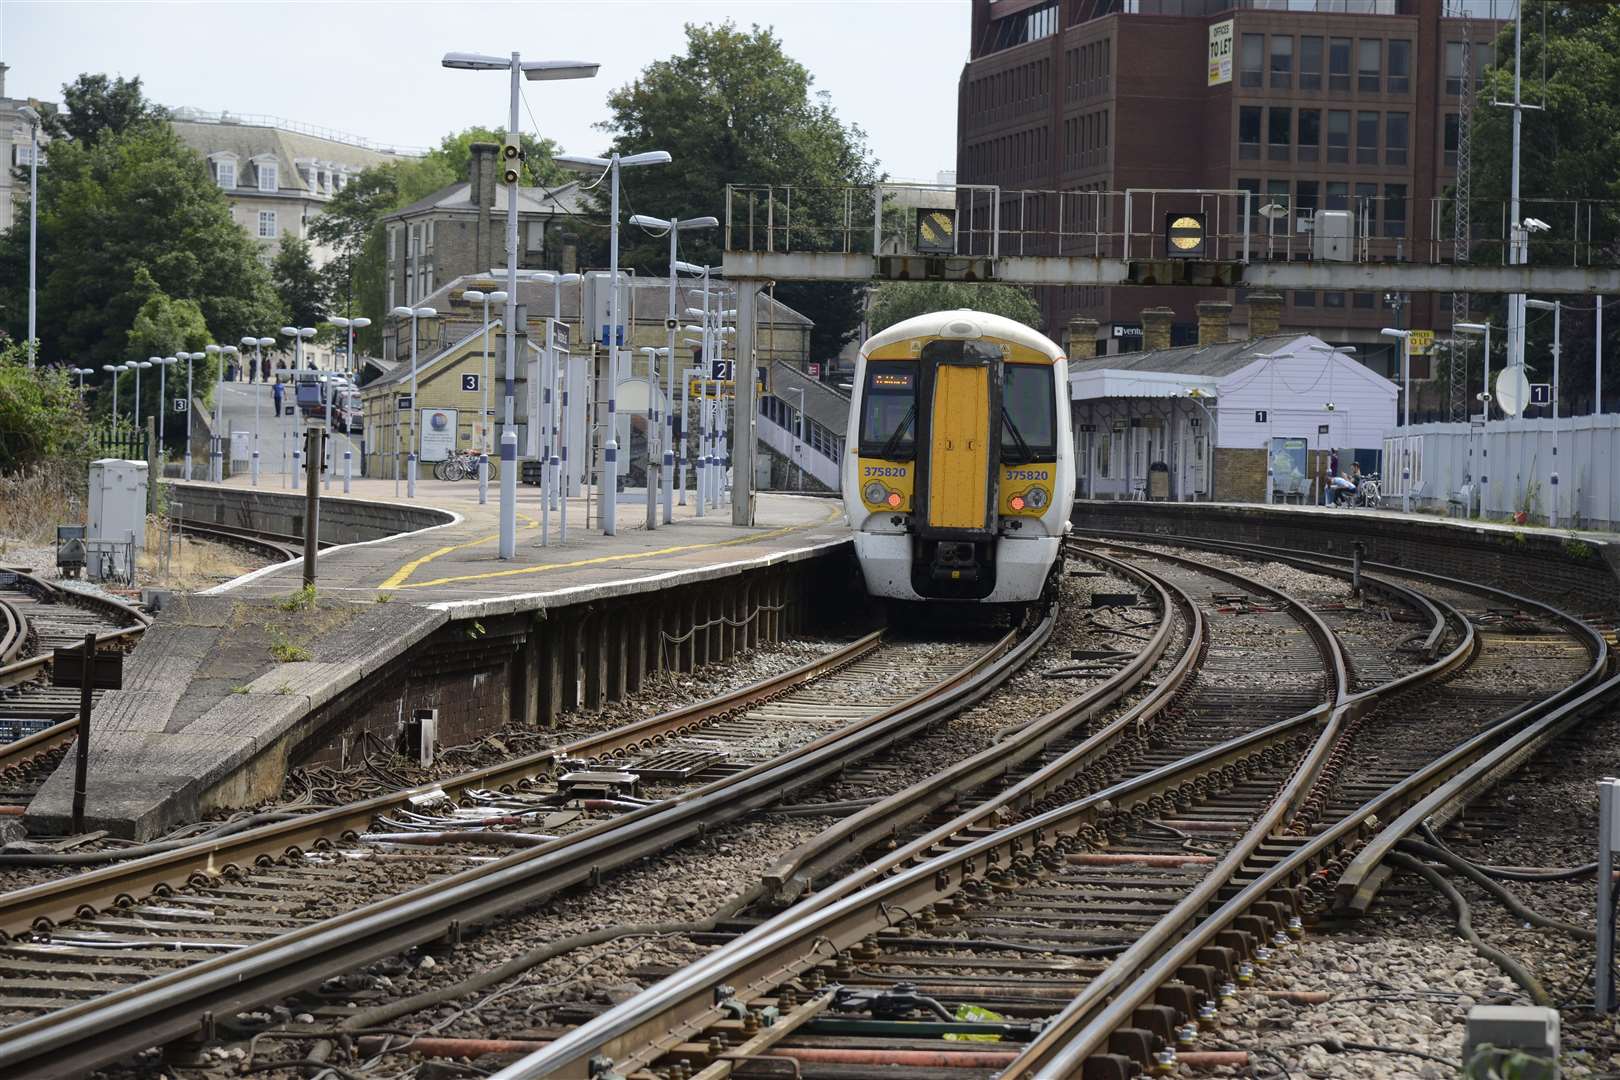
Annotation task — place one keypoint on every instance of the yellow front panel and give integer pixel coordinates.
(886, 485)
(958, 462)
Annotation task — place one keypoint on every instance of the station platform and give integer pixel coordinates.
(230, 688)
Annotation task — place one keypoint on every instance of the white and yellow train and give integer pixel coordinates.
(959, 473)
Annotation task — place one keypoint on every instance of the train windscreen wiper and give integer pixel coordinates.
(1026, 454)
(892, 447)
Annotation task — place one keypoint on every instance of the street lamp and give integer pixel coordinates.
(299, 336)
(188, 357)
(117, 370)
(610, 451)
(259, 344)
(410, 458)
(674, 226)
(485, 445)
(31, 117)
(162, 363)
(81, 372)
(798, 440)
(139, 366)
(533, 70)
(349, 326)
(1557, 308)
(1405, 337)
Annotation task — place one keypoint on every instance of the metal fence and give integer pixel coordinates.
(126, 443)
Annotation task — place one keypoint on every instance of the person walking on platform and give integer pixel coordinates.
(276, 392)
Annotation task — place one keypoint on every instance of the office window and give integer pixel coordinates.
(1395, 138)
(22, 155)
(1333, 299)
(1453, 131)
(1338, 136)
(1362, 300)
(1305, 299)
(269, 176)
(1310, 63)
(1282, 62)
(225, 174)
(1305, 198)
(1369, 64)
(1366, 138)
(1249, 133)
(1253, 57)
(1277, 195)
(1400, 66)
(1279, 127)
(1339, 64)
(267, 224)
(1454, 68)
(1338, 195)
(1310, 133)
(1394, 209)
(1367, 209)
(1484, 54)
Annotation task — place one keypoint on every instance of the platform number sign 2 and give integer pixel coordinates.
(721, 370)
(469, 383)
(1259, 416)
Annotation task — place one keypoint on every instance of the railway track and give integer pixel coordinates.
(1088, 952)
(38, 721)
(260, 914)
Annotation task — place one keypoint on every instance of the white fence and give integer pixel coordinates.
(1510, 465)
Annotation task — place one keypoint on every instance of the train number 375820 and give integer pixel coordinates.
(1028, 474)
(884, 470)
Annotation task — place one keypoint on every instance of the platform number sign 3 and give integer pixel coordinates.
(179, 404)
(469, 383)
(1259, 416)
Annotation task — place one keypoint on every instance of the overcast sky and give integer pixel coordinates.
(372, 68)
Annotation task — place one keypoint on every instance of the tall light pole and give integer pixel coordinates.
(31, 117)
(534, 70)
(258, 344)
(610, 450)
(1557, 308)
(798, 449)
(410, 458)
(188, 357)
(117, 370)
(552, 481)
(1405, 337)
(349, 326)
(656, 434)
(484, 445)
(162, 363)
(81, 372)
(140, 366)
(674, 227)
(1474, 330)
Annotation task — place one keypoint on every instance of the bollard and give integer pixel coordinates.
(410, 474)
(348, 469)
(483, 479)
(255, 466)
(297, 467)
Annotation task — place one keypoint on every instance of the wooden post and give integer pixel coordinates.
(313, 454)
(82, 766)
(153, 458)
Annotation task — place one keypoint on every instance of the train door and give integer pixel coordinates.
(958, 479)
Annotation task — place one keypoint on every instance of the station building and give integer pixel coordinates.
(1346, 105)
(1204, 421)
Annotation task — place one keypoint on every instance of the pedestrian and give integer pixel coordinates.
(264, 368)
(277, 392)
(1333, 462)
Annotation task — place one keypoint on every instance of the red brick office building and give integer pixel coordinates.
(1327, 105)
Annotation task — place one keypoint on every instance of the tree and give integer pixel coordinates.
(734, 108)
(95, 106)
(164, 326)
(41, 422)
(897, 301)
(298, 283)
(454, 152)
(1570, 155)
(123, 201)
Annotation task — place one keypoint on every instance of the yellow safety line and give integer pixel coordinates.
(517, 571)
(404, 573)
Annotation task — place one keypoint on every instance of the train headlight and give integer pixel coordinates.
(894, 499)
(1035, 498)
(1017, 502)
(875, 492)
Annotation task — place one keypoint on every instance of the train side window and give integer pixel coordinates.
(889, 410)
(1028, 425)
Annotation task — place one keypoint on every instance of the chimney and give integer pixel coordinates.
(1082, 338)
(1156, 327)
(482, 177)
(570, 253)
(1214, 322)
(3, 70)
(1265, 314)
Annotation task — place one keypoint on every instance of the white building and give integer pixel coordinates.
(18, 146)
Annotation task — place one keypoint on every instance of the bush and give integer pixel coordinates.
(41, 421)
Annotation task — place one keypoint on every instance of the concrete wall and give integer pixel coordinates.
(343, 521)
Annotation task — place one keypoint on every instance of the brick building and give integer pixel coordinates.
(1323, 105)
(461, 230)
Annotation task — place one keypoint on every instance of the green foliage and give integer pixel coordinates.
(897, 301)
(117, 200)
(298, 284)
(163, 326)
(734, 108)
(95, 106)
(384, 597)
(1576, 548)
(455, 153)
(284, 649)
(302, 600)
(41, 421)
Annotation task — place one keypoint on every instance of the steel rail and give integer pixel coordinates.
(135, 622)
(284, 548)
(636, 1032)
(39, 907)
(1085, 1026)
(793, 874)
(13, 632)
(171, 1006)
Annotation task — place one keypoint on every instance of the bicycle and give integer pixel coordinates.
(1368, 494)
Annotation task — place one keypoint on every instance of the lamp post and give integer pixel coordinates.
(700, 374)
(140, 366)
(1405, 337)
(117, 370)
(299, 336)
(518, 69)
(32, 118)
(674, 226)
(610, 450)
(188, 357)
(162, 363)
(798, 440)
(349, 326)
(410, 458)
(478, 297)
(657, 437)
(81, 372)
(1478, 329)
(1557, 308)
(258, 344)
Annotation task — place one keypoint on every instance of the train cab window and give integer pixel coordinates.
(889, 410)
(1028, 422)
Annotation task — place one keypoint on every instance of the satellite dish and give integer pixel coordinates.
(1512, 390)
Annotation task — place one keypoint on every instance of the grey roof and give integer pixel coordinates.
(402, 370)
(650, 300)
(565, 199)
(824, 404)
(1211, 360)
(248, 141)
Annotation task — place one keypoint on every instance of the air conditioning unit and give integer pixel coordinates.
(1333, 238)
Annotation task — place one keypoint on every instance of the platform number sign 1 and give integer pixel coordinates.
(1540, 393)
(469, 382)
(1259, 416)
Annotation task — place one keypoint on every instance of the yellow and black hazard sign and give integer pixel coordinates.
(1184, 236)
(936, 232)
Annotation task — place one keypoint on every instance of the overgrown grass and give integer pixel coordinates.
(283, 648)
(34, 501)
(302, 600)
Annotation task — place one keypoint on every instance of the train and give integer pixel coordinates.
(958, 475)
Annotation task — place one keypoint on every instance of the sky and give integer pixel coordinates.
(372, 68)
